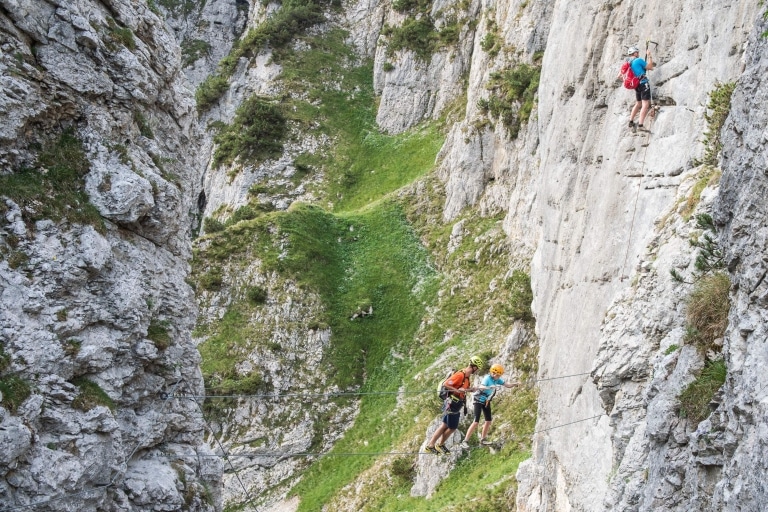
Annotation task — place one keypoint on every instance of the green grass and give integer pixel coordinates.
(121, 35)
(54, 188)
(374, 171)
(90, 395)
(364, 164)
(386, 267)
(478, 482)
(513, 96)
(376, 242)
(72, 347)
(158, 333)
(765, 17)
(256, 133)
(228, 344)
(707, 310)
(694, 400)
(14, 391)
(708, 176)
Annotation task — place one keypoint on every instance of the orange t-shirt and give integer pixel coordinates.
(458, 380)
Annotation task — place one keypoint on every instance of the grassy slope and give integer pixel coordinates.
(363, 165)
(373, 248)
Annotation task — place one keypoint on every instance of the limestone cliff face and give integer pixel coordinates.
(206, 32)
(594, 209)
(600, 211)
(741, 211)
(101, 305)
(663, 461)
(610, 226)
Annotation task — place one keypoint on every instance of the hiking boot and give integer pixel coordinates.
(442, 449)
(431, 449)
(486, 442)
(465, 445)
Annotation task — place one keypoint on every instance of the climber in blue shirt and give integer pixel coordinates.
(643, 91)
(482, 403)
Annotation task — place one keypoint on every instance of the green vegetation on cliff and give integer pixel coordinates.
(512, 96)
(293, 19)
(397, 289)
(54, 187)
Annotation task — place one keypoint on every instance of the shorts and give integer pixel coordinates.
(643, 91)
(453, 414)
(485, 408)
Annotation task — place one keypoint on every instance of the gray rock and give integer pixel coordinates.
(80, 307)
(15, 440)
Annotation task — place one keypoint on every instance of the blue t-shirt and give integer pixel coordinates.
(485, 394)
(638, 68)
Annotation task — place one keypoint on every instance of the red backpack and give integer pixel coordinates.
(631, 81)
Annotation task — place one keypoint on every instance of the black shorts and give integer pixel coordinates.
(643, 92)
(485, 409)
(453, 414)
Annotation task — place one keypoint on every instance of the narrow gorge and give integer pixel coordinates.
(241, 243)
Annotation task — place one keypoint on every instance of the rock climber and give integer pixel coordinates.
(458, 384)
(643, 91)
(482, 403)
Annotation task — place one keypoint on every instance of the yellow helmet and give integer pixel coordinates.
(497, 369)
(476, 361)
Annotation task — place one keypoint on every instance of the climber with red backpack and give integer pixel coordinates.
(633, 74)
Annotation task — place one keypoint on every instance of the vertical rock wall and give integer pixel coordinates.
(598, 205)
(108, 303)
(607, 204)
(742, 213)
(206, 31)
(600, 208)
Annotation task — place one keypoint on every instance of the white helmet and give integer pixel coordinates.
(632, 49)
